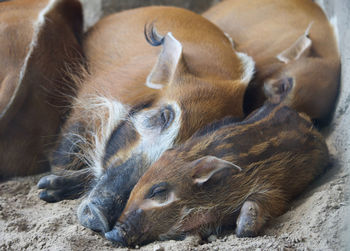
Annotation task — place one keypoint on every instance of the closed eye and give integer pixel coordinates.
(158, 191)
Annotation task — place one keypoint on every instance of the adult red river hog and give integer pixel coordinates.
(287, 39)
(227, 174)
(40, 45)
(156, 76)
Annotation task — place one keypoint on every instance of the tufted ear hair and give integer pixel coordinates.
(169, 59)
(276, 90)
(300, 48)
(210, 167)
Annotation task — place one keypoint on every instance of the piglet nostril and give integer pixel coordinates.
(117, 236)
(90, 216)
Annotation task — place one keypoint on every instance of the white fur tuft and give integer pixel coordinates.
(247, 62)
(154, 141)
(104, 114)
(248, 67)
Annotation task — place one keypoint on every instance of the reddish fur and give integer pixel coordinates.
(265, 28)
(120, 59)
(279, 153)
(30, 125)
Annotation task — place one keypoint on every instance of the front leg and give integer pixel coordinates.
(70, 185)
(250, 220)
(257, 210)
(72, 175)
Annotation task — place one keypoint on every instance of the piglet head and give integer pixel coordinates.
(173, 198)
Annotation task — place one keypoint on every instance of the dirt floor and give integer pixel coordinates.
(315, 221)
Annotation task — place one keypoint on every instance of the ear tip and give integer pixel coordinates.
(151, 35)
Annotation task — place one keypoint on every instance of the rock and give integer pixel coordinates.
(158, 248)
(212, 238)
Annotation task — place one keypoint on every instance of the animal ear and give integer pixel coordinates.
(276, 90)
(301, 47)
(210, 167)
(167, 63)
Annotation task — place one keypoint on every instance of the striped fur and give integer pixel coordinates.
(279, 152)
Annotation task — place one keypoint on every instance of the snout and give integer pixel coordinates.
(91, 216)
(103, 206)
(117, 235)
(128, 233)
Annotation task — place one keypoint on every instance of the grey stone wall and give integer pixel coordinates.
(95, 9)
(338, 11)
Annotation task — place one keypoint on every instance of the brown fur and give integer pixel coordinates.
(264, 29)
(279, 153)
(199, 76)
(206, 84)
(30, 123)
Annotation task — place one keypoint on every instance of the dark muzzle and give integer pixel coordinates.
(128, 233)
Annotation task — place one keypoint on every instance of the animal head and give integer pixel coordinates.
(173, 198)
(195, 100)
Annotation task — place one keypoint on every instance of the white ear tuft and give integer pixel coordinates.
(301, 47)
(167, 63)
(206, 167)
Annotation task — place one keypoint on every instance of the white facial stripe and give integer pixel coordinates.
(150, 204)
(106, 114)
(38, 24)
(155, 141)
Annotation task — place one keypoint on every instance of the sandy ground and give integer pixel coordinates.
(315, 221)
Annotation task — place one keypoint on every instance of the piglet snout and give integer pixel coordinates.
(128, 232)
(117, 235)
(92, 217)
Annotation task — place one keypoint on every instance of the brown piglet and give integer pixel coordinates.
(227, 174)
